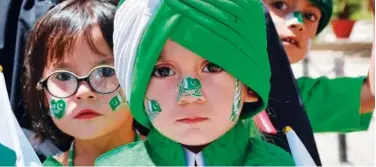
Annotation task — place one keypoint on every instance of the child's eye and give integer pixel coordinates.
(280, 5)
(63, 76)
(310, 16)
(162, 72)
(212, 68)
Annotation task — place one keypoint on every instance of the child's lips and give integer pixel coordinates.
(192, 120)
(87, 114)
(290, 41)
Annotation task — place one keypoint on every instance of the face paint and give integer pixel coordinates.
(236, 104)
(294, 18)
(152, 108)
(115, 102)
(189, 89)
(58, 108)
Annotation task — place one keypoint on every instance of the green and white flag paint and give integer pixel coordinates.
(294, 18)
(236, 104)
(115, 102)
(15, 149)
(152, 108)
(190, 88)
(58, 108)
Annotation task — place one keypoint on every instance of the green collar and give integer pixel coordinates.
(220, 152)
(235, 148)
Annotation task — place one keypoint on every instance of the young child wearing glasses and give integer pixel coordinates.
(71, 90)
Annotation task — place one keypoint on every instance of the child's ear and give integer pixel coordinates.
(250, 96)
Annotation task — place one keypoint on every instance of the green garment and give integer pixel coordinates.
(234, 148)
(51, 161)
(333, 105)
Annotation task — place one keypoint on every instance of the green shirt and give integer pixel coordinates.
(333, 105)
(51, 161)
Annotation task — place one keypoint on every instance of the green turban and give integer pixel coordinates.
(326, 8)
(229, 33)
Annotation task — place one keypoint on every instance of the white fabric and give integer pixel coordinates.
(299, 152)
(191, 157)
(131, 19)
(11, 134)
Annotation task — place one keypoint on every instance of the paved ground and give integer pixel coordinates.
(361, 145)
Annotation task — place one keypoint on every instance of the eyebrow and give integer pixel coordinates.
(107, 60)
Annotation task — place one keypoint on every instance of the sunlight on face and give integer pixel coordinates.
(190, 100)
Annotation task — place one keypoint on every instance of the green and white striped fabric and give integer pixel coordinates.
(15, 149)
(229, 33)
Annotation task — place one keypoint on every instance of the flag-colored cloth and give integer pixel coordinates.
(15, 149)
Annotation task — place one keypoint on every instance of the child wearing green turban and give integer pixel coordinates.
(191, 71)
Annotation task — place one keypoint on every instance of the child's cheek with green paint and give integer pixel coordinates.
(116, 101)
(58, 108)
(236, 103)
(152, 109)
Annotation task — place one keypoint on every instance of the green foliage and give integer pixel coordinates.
(350, 9)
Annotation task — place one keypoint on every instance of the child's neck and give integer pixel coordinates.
(86, 151)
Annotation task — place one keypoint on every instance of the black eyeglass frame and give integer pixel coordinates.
(42, 84)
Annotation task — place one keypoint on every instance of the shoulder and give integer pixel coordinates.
(133, 154)
(266, 154)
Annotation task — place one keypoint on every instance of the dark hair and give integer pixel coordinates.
(50, 39)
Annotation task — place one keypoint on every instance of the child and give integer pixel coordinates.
(191, 71)
(71, 89)
(297, 23)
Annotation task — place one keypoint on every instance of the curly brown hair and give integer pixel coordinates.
(51, 38)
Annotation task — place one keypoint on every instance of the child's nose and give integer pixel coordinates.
(295, 21)
(190, 91)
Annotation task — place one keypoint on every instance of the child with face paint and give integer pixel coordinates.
(297, 23)
(71, 89)
(185, 67)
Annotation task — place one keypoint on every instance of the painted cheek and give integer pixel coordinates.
(236, 103)
(152, 108)
(58, 108)
(115, 102)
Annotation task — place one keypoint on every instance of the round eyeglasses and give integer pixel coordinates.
(63, 84)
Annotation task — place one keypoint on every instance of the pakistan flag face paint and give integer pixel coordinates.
(236, 104)
(115, 102)
(294, 18)
(189, 89)
(152, 108)
(58, 108)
